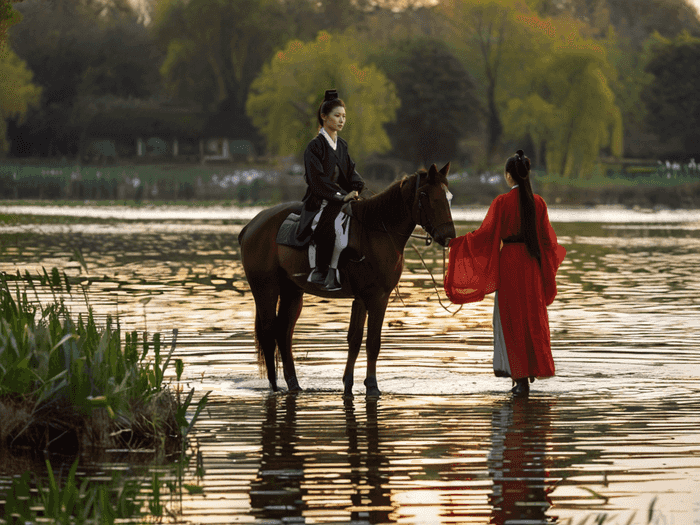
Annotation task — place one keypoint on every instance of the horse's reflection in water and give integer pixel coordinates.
(314, 472)
(517, 462)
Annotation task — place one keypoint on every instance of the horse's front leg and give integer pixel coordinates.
(357, 326)
(374, 341)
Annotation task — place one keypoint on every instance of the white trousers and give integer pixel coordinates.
(342, 237)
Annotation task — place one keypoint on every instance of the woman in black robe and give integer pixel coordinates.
(333, 181)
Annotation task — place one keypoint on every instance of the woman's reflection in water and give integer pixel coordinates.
(518, 462)
(294, 480)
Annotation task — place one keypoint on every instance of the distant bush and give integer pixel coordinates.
(138, 183)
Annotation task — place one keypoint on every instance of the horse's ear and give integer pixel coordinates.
(445, 169)
(432, 174)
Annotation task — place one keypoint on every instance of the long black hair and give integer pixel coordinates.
(330, 102)
(519, 168)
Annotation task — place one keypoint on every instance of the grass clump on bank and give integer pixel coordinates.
(67, 384)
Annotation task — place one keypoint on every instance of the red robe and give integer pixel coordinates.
(478, 266)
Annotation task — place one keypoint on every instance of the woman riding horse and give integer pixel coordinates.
(333, 181)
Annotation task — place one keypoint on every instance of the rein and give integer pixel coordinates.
(427, 237)
(428, 241)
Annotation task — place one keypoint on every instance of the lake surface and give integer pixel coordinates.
(617, 430)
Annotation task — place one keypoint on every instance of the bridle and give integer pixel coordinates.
(430, 230)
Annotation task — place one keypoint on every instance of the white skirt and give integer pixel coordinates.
(501, 367)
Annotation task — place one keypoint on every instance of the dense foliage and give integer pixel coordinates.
(199, 60)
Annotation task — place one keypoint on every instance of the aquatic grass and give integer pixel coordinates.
(650, 517)
(69, 383)
(74, 501)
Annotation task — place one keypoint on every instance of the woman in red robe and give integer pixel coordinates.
(515, 254)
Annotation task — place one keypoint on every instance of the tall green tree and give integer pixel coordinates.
(215, 48)
(8, 17)
(17, 92)
(495, 38)
(635, 21)
(673, 97)
(284, 99)
(571, 114)
(439, 103)
(78, 54)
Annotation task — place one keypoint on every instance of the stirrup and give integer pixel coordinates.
(317, 277)
(332, 284)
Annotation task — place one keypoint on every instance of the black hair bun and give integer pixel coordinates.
(331, 94)
(520, 153)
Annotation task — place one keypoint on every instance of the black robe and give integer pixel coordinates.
(325, 182)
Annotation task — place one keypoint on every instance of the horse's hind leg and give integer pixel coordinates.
(265, 321)
(291, 302)
(357, 326)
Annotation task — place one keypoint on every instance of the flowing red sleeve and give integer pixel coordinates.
(472, 270)
(552, 254)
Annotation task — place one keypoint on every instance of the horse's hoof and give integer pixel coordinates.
(293, 386)
(372, 388)
(347, 393)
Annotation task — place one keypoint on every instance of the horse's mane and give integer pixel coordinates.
(389, 203)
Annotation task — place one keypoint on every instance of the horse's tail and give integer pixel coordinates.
(262, 363)
(258, 348)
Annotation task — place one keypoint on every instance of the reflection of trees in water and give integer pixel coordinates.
(292, 479)
(517, 463)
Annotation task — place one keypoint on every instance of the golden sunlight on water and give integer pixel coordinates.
(617, 427)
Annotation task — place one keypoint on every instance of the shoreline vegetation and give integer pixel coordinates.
(70, 388)
(672, 186)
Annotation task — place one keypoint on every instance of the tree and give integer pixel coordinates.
(673, 96)
(625, 30)
(8, 17)
(284, 99)
(77, 54)
(571, 112)
(439, 104)
(17, 92)
(214, 49)
(635, 21)
(493, 36)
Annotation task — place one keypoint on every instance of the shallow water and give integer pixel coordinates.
(617, 427)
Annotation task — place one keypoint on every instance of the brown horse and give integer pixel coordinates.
(382, 226)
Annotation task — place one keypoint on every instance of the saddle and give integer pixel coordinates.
(344, 225)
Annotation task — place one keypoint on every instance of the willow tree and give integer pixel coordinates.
(571, 112)
(284, 98)
(17, 92)
(496, 39)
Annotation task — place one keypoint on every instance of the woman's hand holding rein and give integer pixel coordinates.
(350, 196)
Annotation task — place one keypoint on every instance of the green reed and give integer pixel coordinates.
(51, 363)
(59, 375)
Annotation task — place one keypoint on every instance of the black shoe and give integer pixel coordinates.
(317, 277)
(332, 284)
(521, 388)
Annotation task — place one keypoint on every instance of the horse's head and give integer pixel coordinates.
(432, 205)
